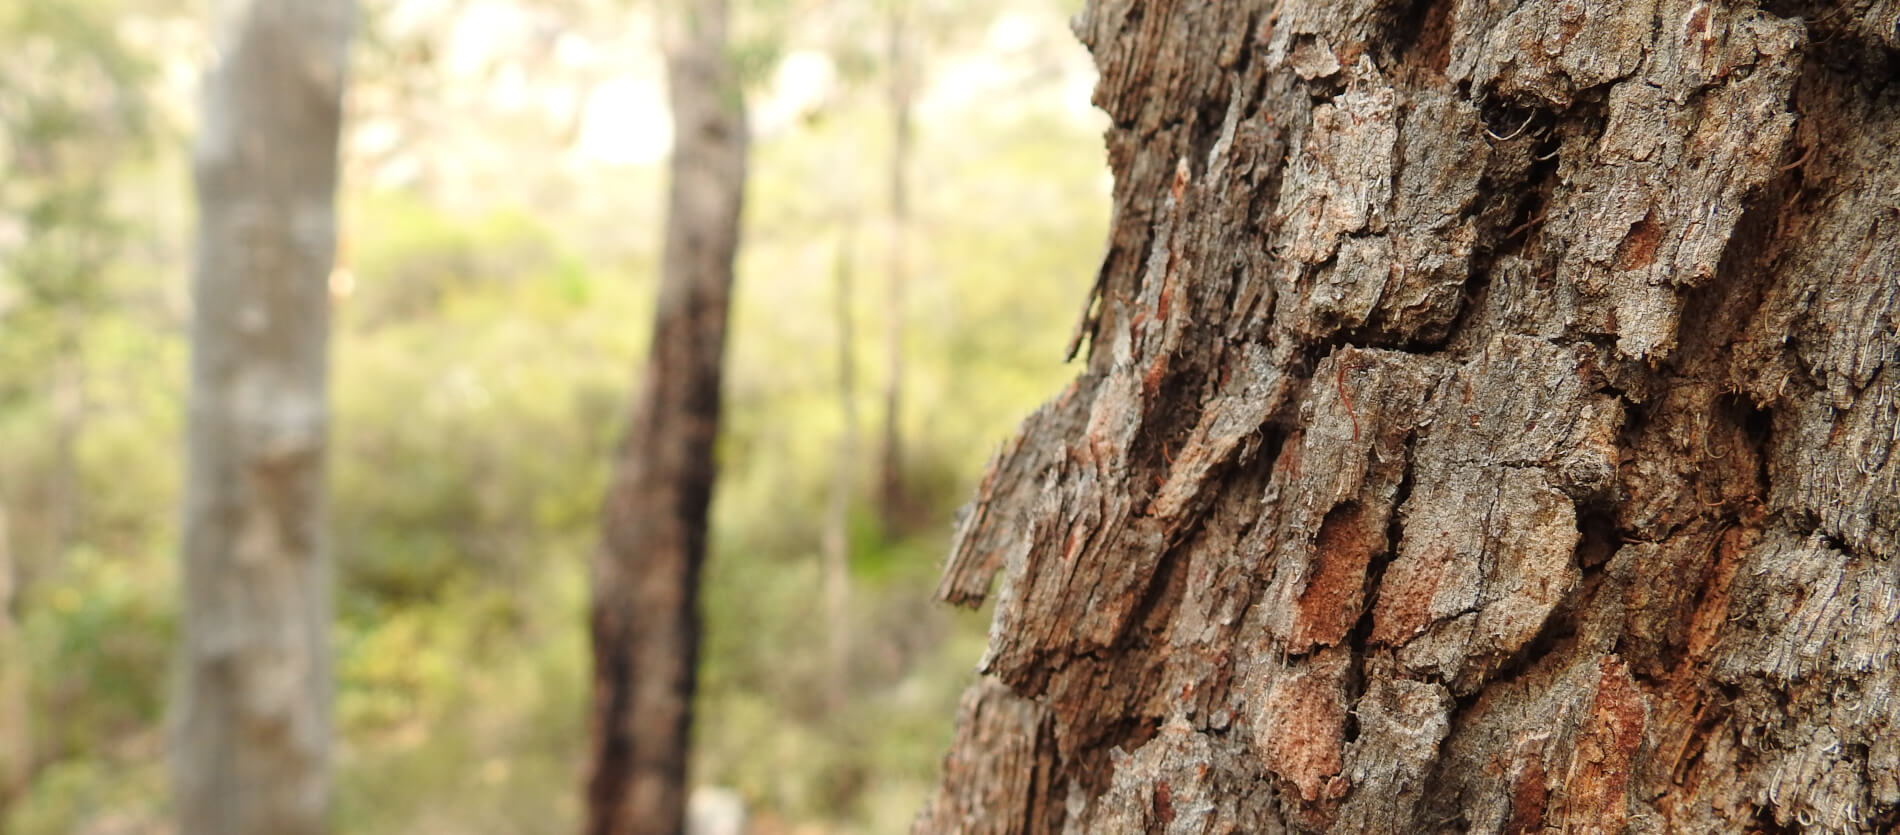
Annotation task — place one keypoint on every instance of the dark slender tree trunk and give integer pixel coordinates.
(646, 573)
(1490, 425)
(253, 723)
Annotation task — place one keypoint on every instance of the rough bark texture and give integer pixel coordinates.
(1489, 426)
(253, 726)
(645, 617)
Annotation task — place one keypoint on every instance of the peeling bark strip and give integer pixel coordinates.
(252, 726)
(1491, 424)
(645, 610)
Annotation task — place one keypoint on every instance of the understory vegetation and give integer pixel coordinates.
(481, 363)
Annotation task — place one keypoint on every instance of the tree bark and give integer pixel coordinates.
(645, 617)
(1489, 426)
(253, 724)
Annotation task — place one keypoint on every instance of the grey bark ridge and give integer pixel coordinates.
(1489, 425)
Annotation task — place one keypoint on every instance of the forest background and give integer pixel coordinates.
(501, 214)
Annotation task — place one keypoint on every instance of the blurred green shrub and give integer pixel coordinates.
(482, 364)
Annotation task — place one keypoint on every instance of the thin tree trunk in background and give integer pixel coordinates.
(16, 736)
(645, 617)
(837, 538)
(68, 396)
(253, 723)
(890, 480)
(1491, 424)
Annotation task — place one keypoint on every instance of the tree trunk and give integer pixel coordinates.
(890, 470)
(16, 735)
(837, 537)
(646, 573)
(253, 723)
(1489, 426)
(67, 393)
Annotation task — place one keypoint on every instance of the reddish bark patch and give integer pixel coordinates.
(1164, 804)
(1638, 249)
(1431, 53)
(1335, 591)
(1683, 721)
(1350, 53)
(1303, 729)
(1151, 381)
(1711, 615)
(1528, 796)
(1596, 793)
(1404, 607)
(1288, 461)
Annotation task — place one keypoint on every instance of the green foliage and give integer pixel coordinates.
(103, 791)
(100, 636)
(72, 111)
(419, 259)
(95, 621)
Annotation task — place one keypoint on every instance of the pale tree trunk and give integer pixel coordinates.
(253, 725)
(645, 618)
(68, 398)
(1489, 426)
(837, 536)
(890, 477)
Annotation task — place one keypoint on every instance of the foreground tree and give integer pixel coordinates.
(645, 617)
(251, 750)
(1489, 425)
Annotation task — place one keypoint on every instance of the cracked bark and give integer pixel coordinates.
(1489, 424)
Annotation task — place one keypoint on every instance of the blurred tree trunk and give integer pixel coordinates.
(253, 724)
(67, 392)
(837, 538)
(1489, 426)
(16, 736)
(890, 477)
(646, 572)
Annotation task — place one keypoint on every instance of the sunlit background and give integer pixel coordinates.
(502, 213)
